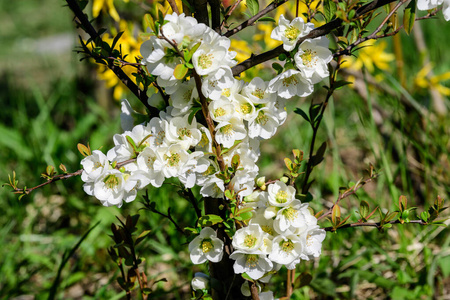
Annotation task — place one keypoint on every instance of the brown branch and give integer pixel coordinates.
(375, 36)
(255, 18)
(201, 11)
(63, 176)
(320, 31)
(90, 30)
(377, 224)
(228, 14)
(348, 193)
(215, 14)
(174, 6)
(254, 291)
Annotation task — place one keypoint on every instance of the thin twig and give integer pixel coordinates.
(63, 176)
(320, 31)
(377, 224)
(255, 18)
(174, 6)
(90, 30)
(228, 14)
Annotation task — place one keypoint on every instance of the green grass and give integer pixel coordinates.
(44, 119)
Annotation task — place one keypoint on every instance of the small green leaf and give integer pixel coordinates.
(300, 112)
(340, 83)
(364, 209)
(329, 10)
(277, 67)
(253, 6)
(288, 164)
(209, 220)
(267, 19)
(142, 236)
(180, 71)
(85, 151)
(336, 215)
(409, 16)
(188, 56)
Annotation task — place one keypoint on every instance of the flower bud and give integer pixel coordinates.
(284, 179)
(200, 281)
(261, 183)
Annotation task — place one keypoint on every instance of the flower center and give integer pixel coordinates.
(309, 58)
(246, 108)
(290, 80)
(111, 181)
(205, 60)
(291, 33)
(290, 213)
(184, 132)
(97, 165)
(173, 159)
(250, 240)
(226, 92)
(252, 260)
(206, 245)
(287, 246)
(258, 93)
(309, 240)
(268, 229)
(219, 112)
(281, 197)
(261, 118)
(227, 129)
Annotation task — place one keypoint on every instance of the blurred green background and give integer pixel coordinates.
(51, 102)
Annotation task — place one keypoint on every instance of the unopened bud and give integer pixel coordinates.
(284, 179)
(200, 281)
(261, 182)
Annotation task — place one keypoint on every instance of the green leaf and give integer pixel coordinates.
(194, 111)
(188, 55)
(300, 112)
(209, 220)
(302, 280)
(116, 39)
(180, 71)
(318, 157)
(277, 67)
(132, 143)
(364, 209)
(409, 16)
(142, 236)
(329, 9)
(253, 6)
(340, 83)
(267, 19)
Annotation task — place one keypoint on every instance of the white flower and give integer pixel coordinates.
(289, 84)
(228, 132)
(170, 160)
(182, 98)
(126, 118)
(214, 84)
(200, 281)
(286, 249)
(221, 110)
(94, 166)
(263, 124)
(279, 194)
(146, 172)
(196, 164)
(248, 239)
(290, 32)
(212, 187)
(255, 265)
(289, 217)
(206, 246)
(208, 58)
(110, 189)
(313, 239)
(159, 59)
(257, 92)
(179, 131)
(312, 59)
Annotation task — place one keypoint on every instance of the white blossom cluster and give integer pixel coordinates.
(175, 144)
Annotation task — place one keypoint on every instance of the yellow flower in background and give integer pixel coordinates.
(372, 55)
(424, 82)
(130, 45)
(105, 6)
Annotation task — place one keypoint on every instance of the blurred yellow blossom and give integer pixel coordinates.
(425, 82)
(130, 45)
(372, 55)
(105, 6)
